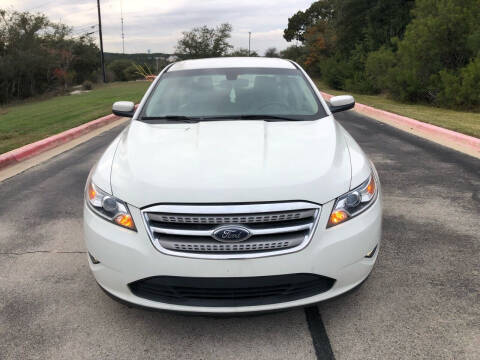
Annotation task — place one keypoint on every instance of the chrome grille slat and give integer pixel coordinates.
(267, 231)
(209, 247)
(237, 219)
(187, 230)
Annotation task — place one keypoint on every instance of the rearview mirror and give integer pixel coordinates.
(124, 108)
(341, 103)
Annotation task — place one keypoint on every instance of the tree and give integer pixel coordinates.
(438, 42)
(416, 51)
(119, 67)
(272, 52)
(338, 36)
(369, 24)
(131, 73)
(205, 42)
(24, 61)
(385, 20)
(302, 20)
(242, 52)
(86, 59)
(293, 52)
(37, 55)
(320, 41)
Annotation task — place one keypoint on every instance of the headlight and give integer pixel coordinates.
(108, 206)
(354, 202)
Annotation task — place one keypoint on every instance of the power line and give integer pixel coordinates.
(83, 35)
(76, 31)
(84, 29)
(84, 26)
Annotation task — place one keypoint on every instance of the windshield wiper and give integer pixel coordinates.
(179, 118)
(182, 118)
(266, 117)
(248, 117)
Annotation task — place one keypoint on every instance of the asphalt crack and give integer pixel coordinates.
(320, 339)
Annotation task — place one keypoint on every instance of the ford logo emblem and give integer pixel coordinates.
(231, 233)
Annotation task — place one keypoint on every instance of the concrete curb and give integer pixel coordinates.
(403, 121)
(18, 155)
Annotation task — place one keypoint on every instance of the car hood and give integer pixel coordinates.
(231, 161)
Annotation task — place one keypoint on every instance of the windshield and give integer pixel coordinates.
(232, 93)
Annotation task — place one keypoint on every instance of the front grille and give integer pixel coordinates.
(233, 219)
(218, 292)
(251, 246)
(188, 230)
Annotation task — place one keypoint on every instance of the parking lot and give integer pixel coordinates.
(422, 300)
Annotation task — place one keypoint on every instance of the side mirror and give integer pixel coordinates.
(124, 108)
(341, 103)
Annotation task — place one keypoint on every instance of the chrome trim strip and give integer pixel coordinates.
(232, 247)
(219, 219)
(232, 209)
(278, 230)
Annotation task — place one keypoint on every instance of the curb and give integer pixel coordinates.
(18, 155)
(433, 130)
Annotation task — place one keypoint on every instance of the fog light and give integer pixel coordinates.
(93, 260)
(371, 253)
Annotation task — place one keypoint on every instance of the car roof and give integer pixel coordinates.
(232, 62)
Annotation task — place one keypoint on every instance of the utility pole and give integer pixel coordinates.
(102, 59)
(249, 36)
(123, 35)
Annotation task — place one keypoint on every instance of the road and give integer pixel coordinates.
(422, 300)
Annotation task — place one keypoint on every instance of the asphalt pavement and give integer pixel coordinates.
(422, 299)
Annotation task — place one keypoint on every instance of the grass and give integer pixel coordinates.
(25, 123)
(461, 121)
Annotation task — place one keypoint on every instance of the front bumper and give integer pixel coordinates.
(338, 253)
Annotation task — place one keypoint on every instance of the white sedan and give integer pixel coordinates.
(232, 190)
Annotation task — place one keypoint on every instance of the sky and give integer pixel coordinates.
(156, 25)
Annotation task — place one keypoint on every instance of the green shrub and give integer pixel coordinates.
(94, 76)
(459, 88)
(360, 83)
(131, 73)
(377, 68)
(335, 72)
(294, 52)
(437, 43)
(118, 67)
(446, 88)
(87, 85)
(470, 89)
